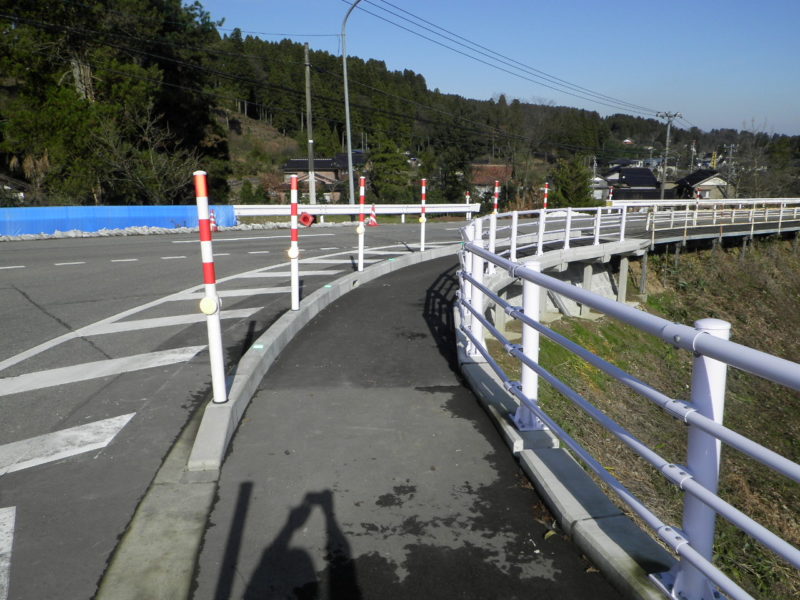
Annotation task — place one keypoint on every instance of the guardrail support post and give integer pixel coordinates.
(708, 397)
(512, 253)
(598, 216)
(567, 227)
(476, 327)
(540, 237)
(294, 250)
(490, 269)
(524, 418)
(622, 283)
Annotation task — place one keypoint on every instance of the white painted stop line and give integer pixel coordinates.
(94, 370)
(8, 516)
(60, 444)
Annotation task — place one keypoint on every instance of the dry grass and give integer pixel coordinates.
(759, 296)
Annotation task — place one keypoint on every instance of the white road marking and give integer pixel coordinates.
(259, 252)
(260, 237)
(93, 370)
(237, 293)
(385, 252)
(171, 257)
(122, 326)
(329, 249)
(124, 259)
(69, 263)
(222, 254)
(54, 446)
(7, 518)
(336, 261)
(284, 274)
(13, 267)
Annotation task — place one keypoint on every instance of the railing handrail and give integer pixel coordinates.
(282, 210)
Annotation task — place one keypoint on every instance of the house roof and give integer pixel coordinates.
(488, 174)
(635, 177)
(698, 177)
(337, 163)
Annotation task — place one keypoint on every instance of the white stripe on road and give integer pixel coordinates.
(7, 518)
(69, 263)
(13, 267)
(259, 252)
(235, 293)
(60, 444)
(285, 274)
(124, 259)
(93, 370)
(261, 237)
(222, 254)
(336, 261)
(171, 257)
(122, 326)
(329, 248)
(385, 252)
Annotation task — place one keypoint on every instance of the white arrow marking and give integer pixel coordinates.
(7, 518)
(122, 326)
(93, 370)
(60, 444)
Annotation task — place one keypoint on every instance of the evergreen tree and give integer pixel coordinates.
(570, 184)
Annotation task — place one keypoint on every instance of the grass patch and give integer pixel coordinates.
(758, 294)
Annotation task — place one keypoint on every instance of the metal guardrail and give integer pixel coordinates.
(282, 210)
(695, 576)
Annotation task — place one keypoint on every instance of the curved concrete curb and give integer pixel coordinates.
(220, 420)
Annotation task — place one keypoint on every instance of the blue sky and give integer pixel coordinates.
(722, 64)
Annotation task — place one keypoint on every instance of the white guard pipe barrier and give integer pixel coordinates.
(362, 184)
(294, 250)
(210, 304)
(695, 576)
(422, 218)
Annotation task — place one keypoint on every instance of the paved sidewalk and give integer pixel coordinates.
(363, 468)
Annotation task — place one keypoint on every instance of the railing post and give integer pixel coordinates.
(512, 253)
(597, 218)
(476, 327)
(622, 221)
(422, 217)
(524, 418)
(540, 239)
(362, 184)
(294, 250)
(780, 216)
(703, 452)
(467, 202)
(567, 227)
(490, 269)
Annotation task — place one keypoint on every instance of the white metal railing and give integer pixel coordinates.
(695, 575)
(282, 210)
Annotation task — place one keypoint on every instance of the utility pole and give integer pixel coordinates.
(691, 160)
(669, 117)
(350, 182)
(312, 183)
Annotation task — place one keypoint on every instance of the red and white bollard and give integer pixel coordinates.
(546, 192)
(610, 194)
(496, 196)
(362, 181)
(210, 304)
(213, 221)
(422, 218)
(294, 250)
(467, 202)
(493, 224)
(373, 217)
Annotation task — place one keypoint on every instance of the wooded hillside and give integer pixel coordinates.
(118, 101)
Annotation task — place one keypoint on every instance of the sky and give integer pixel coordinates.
(720, 64)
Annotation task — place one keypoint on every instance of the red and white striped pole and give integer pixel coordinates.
(497, 196)
(294, 250)
(210, 304)
(546, 192)
(362, 184)
(493, 224)
(422, 218)
(467, 202)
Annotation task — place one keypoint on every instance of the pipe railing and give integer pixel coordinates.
(695, 575)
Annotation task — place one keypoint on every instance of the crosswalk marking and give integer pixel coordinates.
(8, 516)
(50, 447)
(94, 370)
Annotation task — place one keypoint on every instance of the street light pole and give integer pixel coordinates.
(347, 109)
(669, 117)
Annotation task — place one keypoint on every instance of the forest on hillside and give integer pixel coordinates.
(118, 101)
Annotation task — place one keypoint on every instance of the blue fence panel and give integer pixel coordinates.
(48, 220)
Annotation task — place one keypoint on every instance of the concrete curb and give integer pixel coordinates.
(625, 554)
(221, 420)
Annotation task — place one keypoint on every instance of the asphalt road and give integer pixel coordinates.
(103, 360)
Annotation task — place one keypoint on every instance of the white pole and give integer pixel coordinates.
(476, 327)
(524, 418)
(210, 304)
(294, 250)
(512, 254)
(360, 229)
(422, 218)
(467, 202)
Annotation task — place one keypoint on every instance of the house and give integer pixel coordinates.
(330, 174)
(707, 183)
(634, 183)
(483, 176)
